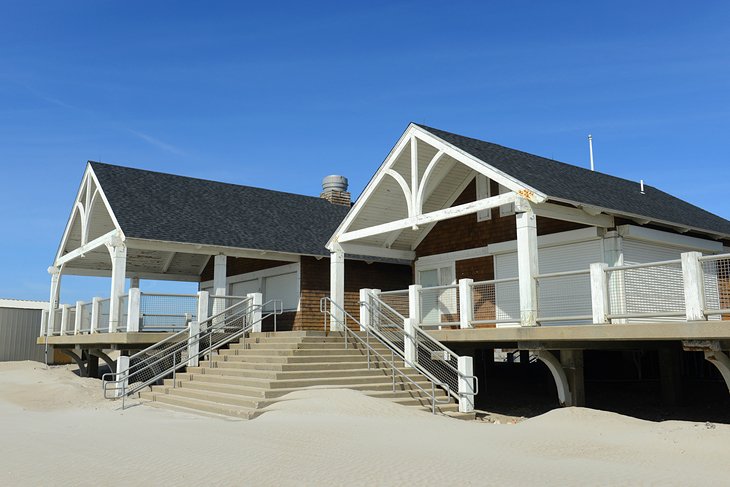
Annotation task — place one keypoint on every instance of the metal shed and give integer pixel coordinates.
(20, 321)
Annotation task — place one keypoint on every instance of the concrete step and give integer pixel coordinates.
(296, 367)
(321, 381)
(200, 405)
(241, 379)
(219, 398)
(304, 373)
(252, 393)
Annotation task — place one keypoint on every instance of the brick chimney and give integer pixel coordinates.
(334, 190)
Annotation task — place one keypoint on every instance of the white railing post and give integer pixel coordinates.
(466, 391)
(337, 290)
(257, 299)
(694, 286)
(203, 306)
(44, 322)
(122, 366)
(77, 317)
(64, 319)
(409, 348)
(599, 293)
(414, 302)
(134, 299)
(527, 261)
(466, 305)
(193, 344)
(364, 308)
(95, 314)
(118, 252)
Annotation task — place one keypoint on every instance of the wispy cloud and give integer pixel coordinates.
(158, 143)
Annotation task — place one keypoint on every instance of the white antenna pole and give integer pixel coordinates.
(590, 147)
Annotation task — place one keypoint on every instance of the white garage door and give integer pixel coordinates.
(568, 296)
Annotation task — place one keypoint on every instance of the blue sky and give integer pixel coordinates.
(278, 95)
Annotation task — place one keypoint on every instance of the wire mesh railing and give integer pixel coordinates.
(495, 301)
(104, 314)
(395, 354)
(432, 358)
(217, 303)
(57, 315)
(84, 311)
(439, 305)
(70, 321)
(167, 312)
(716, 281)
(174, 352)
(122, 311)
(653, 290)
(399, 300)
(564, 297)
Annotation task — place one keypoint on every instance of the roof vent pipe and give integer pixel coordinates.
(641, 183)
(590, 148)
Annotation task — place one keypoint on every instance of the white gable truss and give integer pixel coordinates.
(91, 226)
(414, 189)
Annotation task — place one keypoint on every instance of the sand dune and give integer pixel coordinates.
(58, 430)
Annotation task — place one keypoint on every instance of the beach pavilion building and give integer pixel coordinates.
(454, 241)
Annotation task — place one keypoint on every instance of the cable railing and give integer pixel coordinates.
(564, 297)
(496, 301)
(399, 300)
(440, 305)
(652, 290)
(166, 357)
(326, 306)
(432, 358)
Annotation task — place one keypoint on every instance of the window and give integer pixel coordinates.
(483, 192)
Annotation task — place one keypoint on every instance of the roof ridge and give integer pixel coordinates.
(586, 170)
(92, 163)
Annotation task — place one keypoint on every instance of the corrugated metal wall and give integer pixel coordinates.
(19, 330)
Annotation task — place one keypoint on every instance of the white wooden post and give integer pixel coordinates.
(414, 302)
(134, 299)
(64, 319)
(257, 300)
(118, 252)
(364, 308)
(466, 391)
(122, 366)
(694, 286)
(77, 317)
(55, 273)
(219, 283)
(134, 281)
(410, 348)
(599, 293)
(337, 289)
(203, 302)
(193, 343)
(95, 314)
(466, 305)
(527, 261)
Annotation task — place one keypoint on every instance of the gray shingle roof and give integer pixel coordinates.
(567, 182)
(158, 206)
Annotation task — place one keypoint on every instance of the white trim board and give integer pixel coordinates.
(671, 239)
(249, 276)
(23, 304)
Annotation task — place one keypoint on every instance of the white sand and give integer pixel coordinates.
(57, 430)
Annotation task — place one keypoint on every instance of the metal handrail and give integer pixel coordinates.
(495, 281)
(438, 288)
(393, 351)
(581, 272)
(706, 258)
(421, 333)
(643, 266)
(184, 336)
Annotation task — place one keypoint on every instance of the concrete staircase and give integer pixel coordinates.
(258, 370)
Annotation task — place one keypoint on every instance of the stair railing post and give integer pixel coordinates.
(134, 299)
(465, 367)
(409, 342)
(466, 308)
(414, 302)
(194, 344)
(257, 300)
(364, 309)
(599, 293)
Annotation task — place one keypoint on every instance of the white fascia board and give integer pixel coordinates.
(482, 167)
(370, 251)
(636, 216)
(67, 230)
(434, 216)
(76, 271)
(671, 239)
(550, 240)
(94, 244)
(249, 276)
(575, 215)
(457, 255)
(191, 248)
(403, 142)
(23, 304)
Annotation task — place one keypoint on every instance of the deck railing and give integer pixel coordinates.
(439, 305)
(564, 297)
(495, 301)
